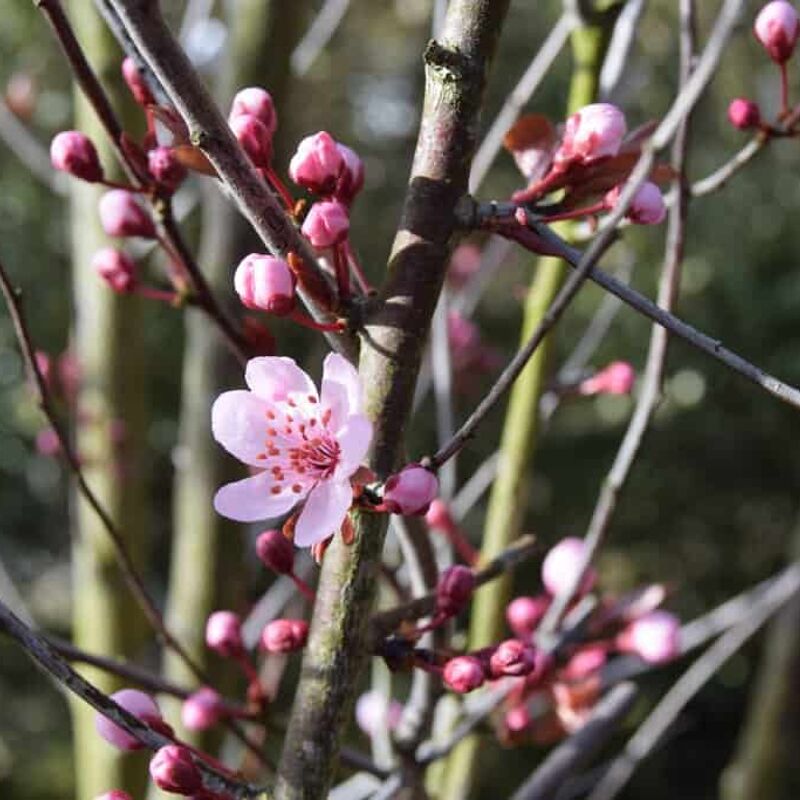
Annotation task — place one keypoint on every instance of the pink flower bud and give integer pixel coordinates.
(257, 102)
(224, 633)
(374, 712)
(411, 490)
(617, 378)
(653, 637)
(317, 164)
(464, 263)
(72, 152)
(141, 705)
(254, 137)
(116, 268)
(454, 590)
(593, 132)
(136, 83)
(326, 224)
(351, 178)
(163, 165)
(561, 565)
(744, 114)
(462, 674)
(275, 551)
(647, 206)
(284, 635)
(513, 658)
(524, 614)
(202, 709)
(585, 662)
(777, 27)
(438, 516)
(173, 769)
(114, 794)
(265, 282)
(122, 216)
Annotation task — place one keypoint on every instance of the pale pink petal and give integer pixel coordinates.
(239, 423)
(273, 377)
(354, 438)
(250, 500)
(323, 513)
(341, 390)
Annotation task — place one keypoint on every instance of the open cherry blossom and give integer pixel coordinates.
(306, 444)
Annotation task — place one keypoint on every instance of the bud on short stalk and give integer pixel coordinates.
(266, 283)
(275, 551)
(122, 216)
(410, 491)
(524, 614)
(463, 674)
(744, 114)
(454, 590)
(136, 83)
(224, 634)
(202, 709)
(255, 139)
(512, 658)
(284, 635)
(317, 164)
(647, 206)
(173, 769)
(327, 224)
(73, 152)
(596, 131)
(256, 102)
(163, 165)
(562, 564)
(140, 705)
(116, 268)
(777, 27)
(655, 637)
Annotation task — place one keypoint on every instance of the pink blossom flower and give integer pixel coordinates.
(317, 163)
(411, 490)
(647, 206)
(326, 224)
(617, 378)
(74, 152)
(374, 712)
(256, 102)
(560, 566)
(306, 444)
(141, 705)
(653, 637)
(743, 113)
(777, 27)
(593, 132)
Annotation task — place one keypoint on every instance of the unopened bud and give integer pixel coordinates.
(463, 674)
(224, 633)
(284, 635)
(744, 114)
(513, 658)
(116, 268)
(163, 165)
(351, 178)
(122, 216)
(73, 152)
(173, 769)
(275, 551)
(317, 163)
(617, 378)
(140, 705)
(202, 709)
(256, 102)
(265, 282)
(411, 490)
(136, 83)
(653, 637)
(454, 589)
(647, 206)
(254, 137)
(524, 614)
(561, 566)
(777, 27)
(593, 132)
(326, 224)
(438, 516)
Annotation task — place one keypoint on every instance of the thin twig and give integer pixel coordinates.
(620, 46)
(572, 754)
(45, 657)
(442, 374)
(319, 33)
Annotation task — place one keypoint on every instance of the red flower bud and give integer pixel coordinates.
(116, 268)
(275, 551)
(122, 216)
(224, 633)
(463, 674)
(284, 635)
(411, 490)
(744, 114)
(255, 102)
(163, 165)
(72, 152)
(524, 614)
(202, 709)
(136, 83)
(454, 589)
(326, 224)
(173, 769)
(265, 282)
(512, 657)
(254, 137)
(317, 164)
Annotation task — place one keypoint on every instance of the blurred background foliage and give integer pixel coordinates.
(713, 498)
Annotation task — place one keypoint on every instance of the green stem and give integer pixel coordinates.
(507, 503)
(109, 348)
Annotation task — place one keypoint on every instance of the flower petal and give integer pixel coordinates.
(323, 512)
(341, 390)
(250, 500)
(273, 377)
(239, 423)
(354, 438)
